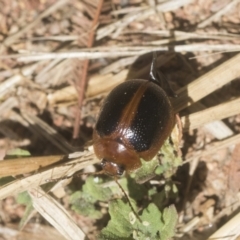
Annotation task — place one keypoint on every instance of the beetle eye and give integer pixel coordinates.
(112, 168)
(103, 162)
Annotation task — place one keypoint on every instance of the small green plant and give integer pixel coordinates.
(125, 225)
(164, 164)
(84, 202)
(155, 219)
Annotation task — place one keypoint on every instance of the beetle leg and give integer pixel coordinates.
(153, 69)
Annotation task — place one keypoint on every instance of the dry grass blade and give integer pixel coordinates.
(217, 15)
(86, 158)
(55, 214)
(61, 38)
(189, 35)
(25, 165)
(37, 109)
(191, 225)
(103, 83)
(9, 84)
(207, 83)
(10, 103)
(67, 94)
(31, 231)
(54, 72)
(214, 147)
(221, 111)
(229, 231)
(142, 14)
(12, 38)
(97, 84)
(47, 132)
(118, 65)
(218, 129)
(123, 51)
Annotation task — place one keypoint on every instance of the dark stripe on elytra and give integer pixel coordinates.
(153, 104)
(113, 107)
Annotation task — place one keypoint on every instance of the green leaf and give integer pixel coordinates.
(84, 205)
(170, 218)
(135, 190)
(24, 198)
(125, 225)
(151, 218)
(159, 199)
(168, 160)
(85, 202)
(162, 198)
(95, 191)
(156, 225)
(121, 225)
(146, 171)
(165, 163)
(26, 216)
(18, 152)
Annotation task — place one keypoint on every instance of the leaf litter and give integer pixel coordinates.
(40, 104)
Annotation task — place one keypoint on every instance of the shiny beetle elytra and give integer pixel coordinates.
(135, 120)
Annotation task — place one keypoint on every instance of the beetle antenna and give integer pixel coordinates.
(126, 196)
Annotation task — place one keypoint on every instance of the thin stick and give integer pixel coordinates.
(126, 196)
(82, 82)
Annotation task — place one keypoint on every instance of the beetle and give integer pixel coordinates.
(134, 121)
